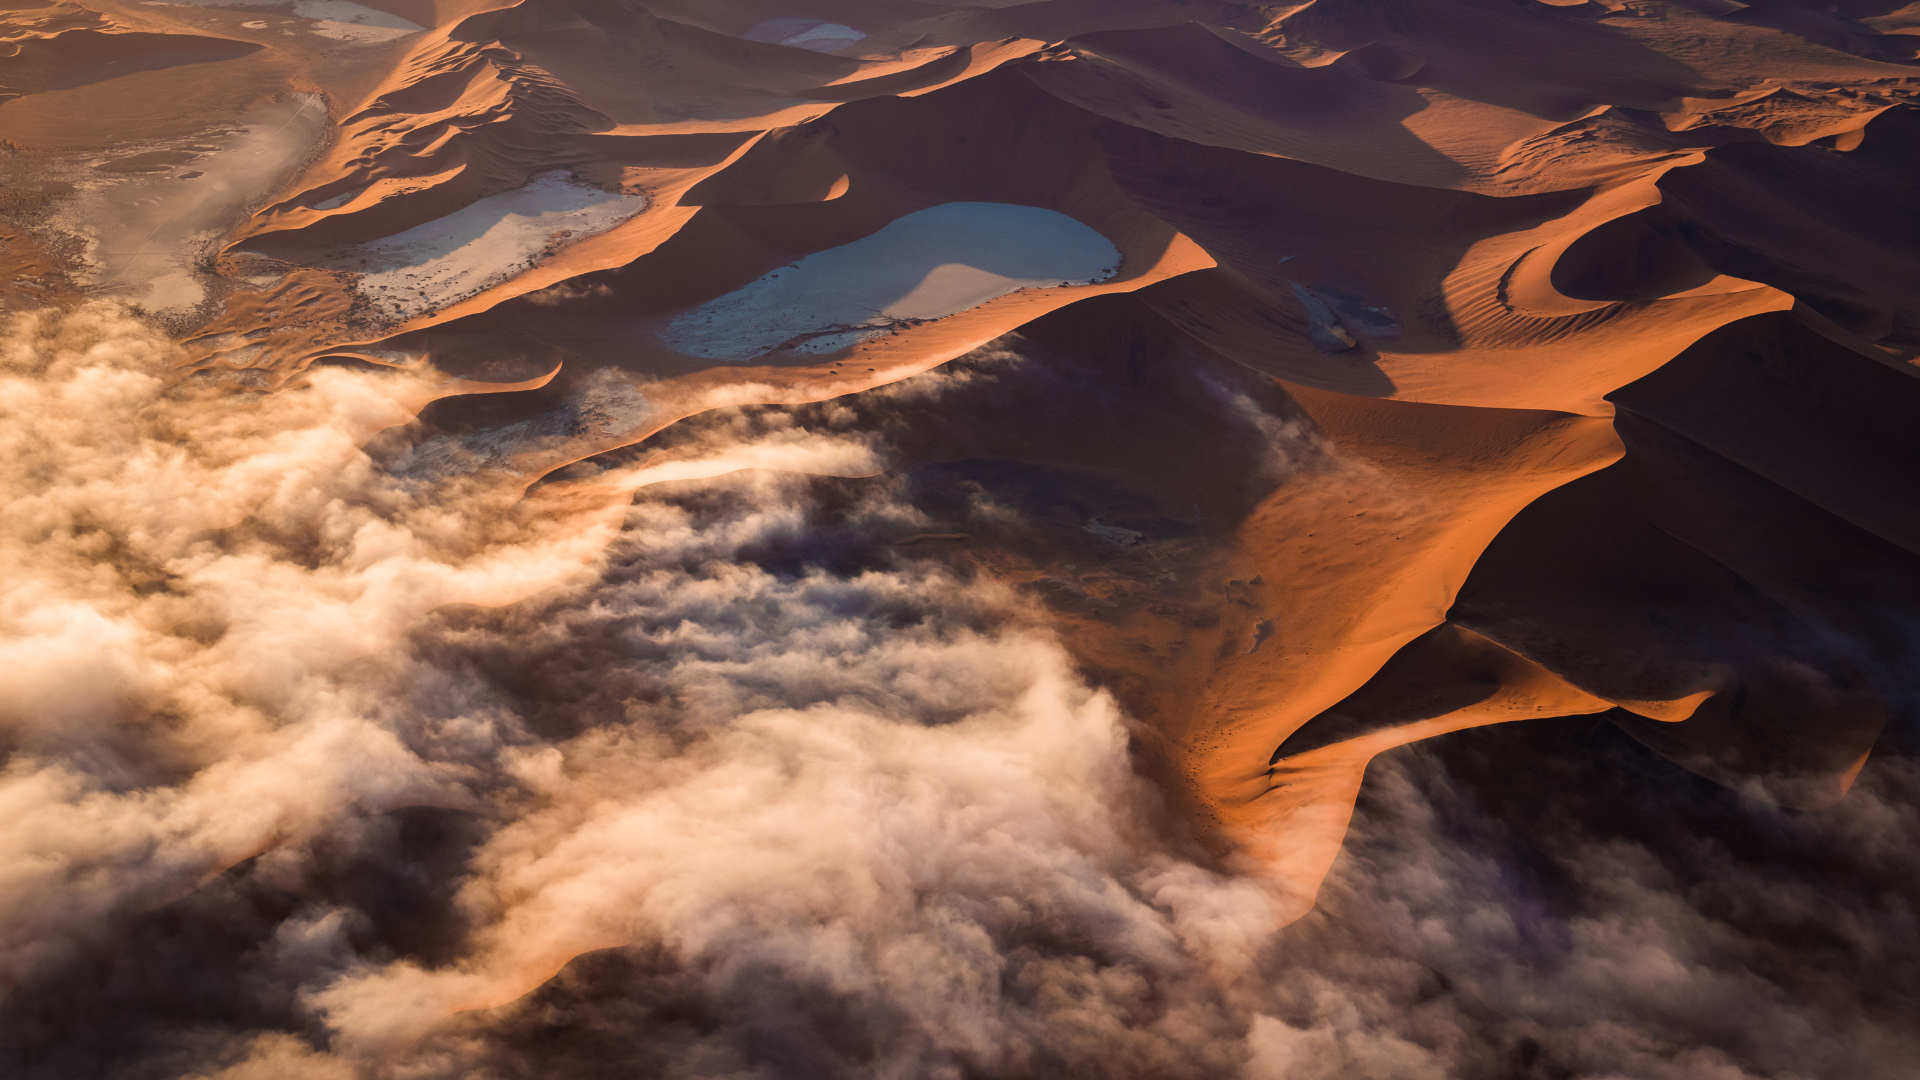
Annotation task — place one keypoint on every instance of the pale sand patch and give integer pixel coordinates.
(927, 265)
(145, 236)
(338, 201)
(451, 258)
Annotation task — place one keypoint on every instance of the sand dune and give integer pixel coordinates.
(1385, 370)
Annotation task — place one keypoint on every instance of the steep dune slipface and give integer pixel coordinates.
(1387, 368)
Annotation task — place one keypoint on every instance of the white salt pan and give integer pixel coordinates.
(454, 257)
(342, 20)
(927, 265)
(812, 34)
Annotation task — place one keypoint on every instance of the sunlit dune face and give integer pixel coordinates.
(718, 538)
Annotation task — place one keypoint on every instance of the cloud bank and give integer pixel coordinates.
(318, 771)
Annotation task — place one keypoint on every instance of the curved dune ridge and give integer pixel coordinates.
(759, 539)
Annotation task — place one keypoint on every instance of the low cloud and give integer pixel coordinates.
(315, 771)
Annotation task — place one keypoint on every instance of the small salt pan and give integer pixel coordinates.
(924, 266)
(815, 35)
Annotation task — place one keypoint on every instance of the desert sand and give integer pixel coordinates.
(1415, 367)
